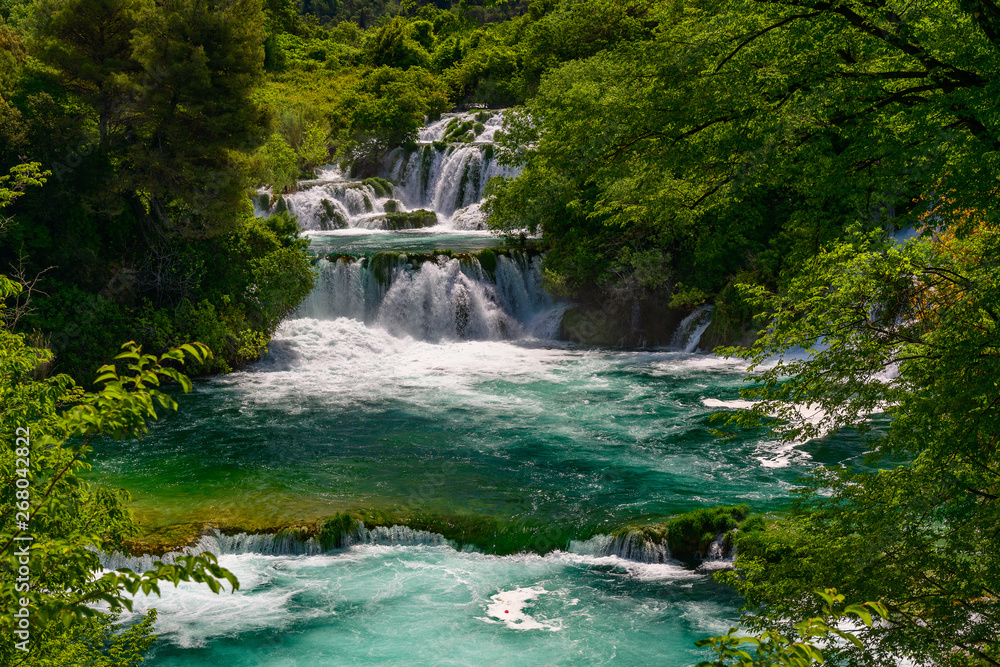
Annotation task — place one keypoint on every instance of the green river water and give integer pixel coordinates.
(538, 447)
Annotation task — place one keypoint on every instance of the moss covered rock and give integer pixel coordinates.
(410, 219)
(331, 218)
(688, 536)
(333, 532)
(488, 261)
(381, 186)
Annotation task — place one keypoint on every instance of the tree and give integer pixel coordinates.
(773, 648)
(387, 109)
(201, 61)
(909, 332)
(13, 184)
(54, 523)
(90, 43)
(743, 136)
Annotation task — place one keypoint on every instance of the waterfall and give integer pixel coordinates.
(689, 331)
(437, 298)
(720, 555)
(333, 203)
(276, 544)
(633, 545)
(443, 173)
(449, 179)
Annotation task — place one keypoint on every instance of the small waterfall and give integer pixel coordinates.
(689, 331)
(634, 545)
(437, 298)
(449, 178)
(720, 554)
(395, 536)
(333, 203)
(277, 544)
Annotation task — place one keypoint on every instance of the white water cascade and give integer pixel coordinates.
(631, 546)
(688, 334)
(331, 201)
(446, 299)
(441, 172)
(276, 544)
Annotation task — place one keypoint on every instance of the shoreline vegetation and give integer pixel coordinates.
(765, 158)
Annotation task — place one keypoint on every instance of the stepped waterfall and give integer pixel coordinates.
(447, 179)
(420, 467)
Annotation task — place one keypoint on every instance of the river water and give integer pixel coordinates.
(439, 395)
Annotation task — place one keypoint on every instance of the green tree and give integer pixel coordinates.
(387, 109)
(743, 136)
(909, 332)
(89, 42)
(773, 649)
(391, 46)
(201, 61)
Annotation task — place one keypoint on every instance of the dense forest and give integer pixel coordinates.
(825, 175)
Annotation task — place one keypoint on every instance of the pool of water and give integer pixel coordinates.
(438, 395)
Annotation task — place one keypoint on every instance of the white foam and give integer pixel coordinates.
(508, 607)
(446, 299)
(779, 454)
(278, 593)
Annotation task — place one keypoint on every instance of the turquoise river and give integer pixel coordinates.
(438, 392)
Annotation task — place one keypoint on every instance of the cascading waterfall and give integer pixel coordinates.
(331, 202)
(443, 173)
(631, 546)
(276, 544)
(448, 298)
(449, 177)
(689, 331)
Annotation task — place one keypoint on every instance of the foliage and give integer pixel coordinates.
(230, 292)
(23, 175)
(739, 138)
(773, 648)
(279, 166)
(908, 331)
(57, 425)
(144, 114)
(389, 106)
(100, 642)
